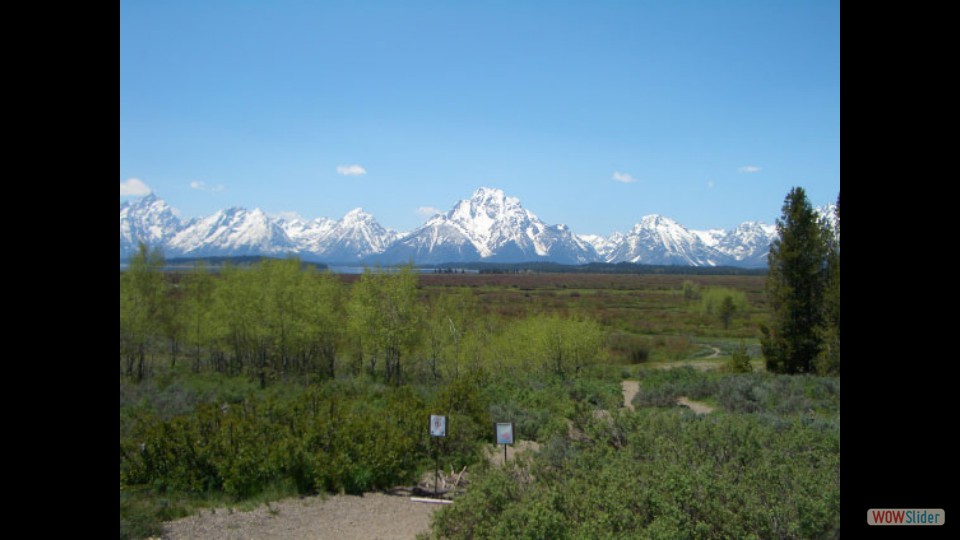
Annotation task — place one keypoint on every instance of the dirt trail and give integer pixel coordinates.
(387, 516)
(716, 352)
(699, 365)
(375, 515)
(695, 406)
(630, 389)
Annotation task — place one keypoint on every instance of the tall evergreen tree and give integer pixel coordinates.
(796, 286)
(828, 362)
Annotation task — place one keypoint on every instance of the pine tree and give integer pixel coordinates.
(828, 362)
(796, 286)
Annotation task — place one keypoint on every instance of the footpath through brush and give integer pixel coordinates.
(631, 388)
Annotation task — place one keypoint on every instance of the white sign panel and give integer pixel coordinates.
(438, 425)
(505, 433)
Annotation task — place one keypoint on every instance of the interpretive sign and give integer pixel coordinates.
(504, 433)
(438, 425)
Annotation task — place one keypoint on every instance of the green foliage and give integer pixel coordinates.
(796, 285)
(348, 437)
(691, 291)
(143, 309)
(140, 517)
(635, 349)
(712, 299)
(552, 344)
(449, 322)
(384, 319)
(663, 474)
(739, 362)
(294, 385)
(828, 361)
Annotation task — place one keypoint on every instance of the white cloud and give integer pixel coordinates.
(133, 187)
(351, 170)
(749, 169)
(202, 186)
(626, 178)
(710, 184)
(428, 211)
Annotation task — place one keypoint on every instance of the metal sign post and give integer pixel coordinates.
(438, 428)
(504, 436)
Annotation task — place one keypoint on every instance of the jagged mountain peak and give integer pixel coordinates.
(655, 221)
(357, 214)
(486, 204)
(489, 225)
(658, 239)
(147, 219)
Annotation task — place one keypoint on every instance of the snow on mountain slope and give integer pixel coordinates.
(710, 237)
(603, 245)
(149, 220)
(355, 236)
(235, 231)
(306, 234)
(489, 226)
(748, 243)
(661, 240)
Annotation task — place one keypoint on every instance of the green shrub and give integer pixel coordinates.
(664, 474)
(739, 362)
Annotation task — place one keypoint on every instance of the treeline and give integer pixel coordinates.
(601, 268)
(277, 319)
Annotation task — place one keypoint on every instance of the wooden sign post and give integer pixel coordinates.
(504, 437)
(438, 428)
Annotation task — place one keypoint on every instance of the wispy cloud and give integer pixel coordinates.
(133, 187)
(428, 211)
(749, 169)
(626, 178)
(202, 186)
(710, 184)
(351, 170)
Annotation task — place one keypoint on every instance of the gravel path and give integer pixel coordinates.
(695, 406)
(630, 389)
(372, 516)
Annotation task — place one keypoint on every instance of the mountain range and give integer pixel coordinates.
(489, 226)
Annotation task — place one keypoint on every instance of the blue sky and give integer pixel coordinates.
(593, 113)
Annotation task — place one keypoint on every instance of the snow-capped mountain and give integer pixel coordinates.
(489, 226)
(603, 245)
(661, 240)
(238, 231)
(355, 236)
(747, 244)
(307, 234)
(711, 237)
(235, 231)
(149, 220)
